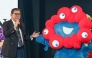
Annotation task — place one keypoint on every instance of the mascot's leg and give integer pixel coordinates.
(89, 55)
(68, 53)
(60, 54)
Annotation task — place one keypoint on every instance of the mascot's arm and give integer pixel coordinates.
(40, 39)
(86, 48)
(90, 46)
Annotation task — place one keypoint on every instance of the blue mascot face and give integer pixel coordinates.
(66, 29)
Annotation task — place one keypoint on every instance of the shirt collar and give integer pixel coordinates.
(13, 21)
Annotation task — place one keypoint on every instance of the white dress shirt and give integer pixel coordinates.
(20, 33)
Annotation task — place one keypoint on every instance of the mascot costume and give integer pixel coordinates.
(69, 32)
(90, 52)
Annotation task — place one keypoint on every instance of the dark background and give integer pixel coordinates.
(34, 15)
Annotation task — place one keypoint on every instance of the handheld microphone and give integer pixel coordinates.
(18, 26)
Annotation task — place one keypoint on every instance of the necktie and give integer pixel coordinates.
(20, 43)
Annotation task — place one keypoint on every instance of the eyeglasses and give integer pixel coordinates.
(17, 13)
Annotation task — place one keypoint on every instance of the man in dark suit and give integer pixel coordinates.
(14, 32)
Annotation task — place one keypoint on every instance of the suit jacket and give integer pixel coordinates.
(10, 44)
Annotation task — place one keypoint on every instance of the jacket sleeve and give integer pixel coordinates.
(26, 36)
(6, 30)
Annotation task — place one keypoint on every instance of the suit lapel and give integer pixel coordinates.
(21, 26)
(10, 23)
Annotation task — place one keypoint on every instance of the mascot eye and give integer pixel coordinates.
(84, 34)
(74, 10)
(46, 31)
(55, 43)
(62, 15)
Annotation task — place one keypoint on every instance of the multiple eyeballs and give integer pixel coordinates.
(62, 15)
(55, 43)
(46, 31)
(84, 35)
(74, 9)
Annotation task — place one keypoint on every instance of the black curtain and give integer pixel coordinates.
(34, 15)
(26, 16)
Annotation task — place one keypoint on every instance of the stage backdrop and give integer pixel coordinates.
(5, 9)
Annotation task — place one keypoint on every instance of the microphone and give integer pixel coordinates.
(17, 28)
(18, 25)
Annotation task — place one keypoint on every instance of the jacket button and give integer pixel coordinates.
(12, 38)
(12, 31)
(11, 43)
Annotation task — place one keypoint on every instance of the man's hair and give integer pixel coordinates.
(14, 9)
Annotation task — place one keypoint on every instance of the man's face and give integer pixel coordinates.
(16, 15)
